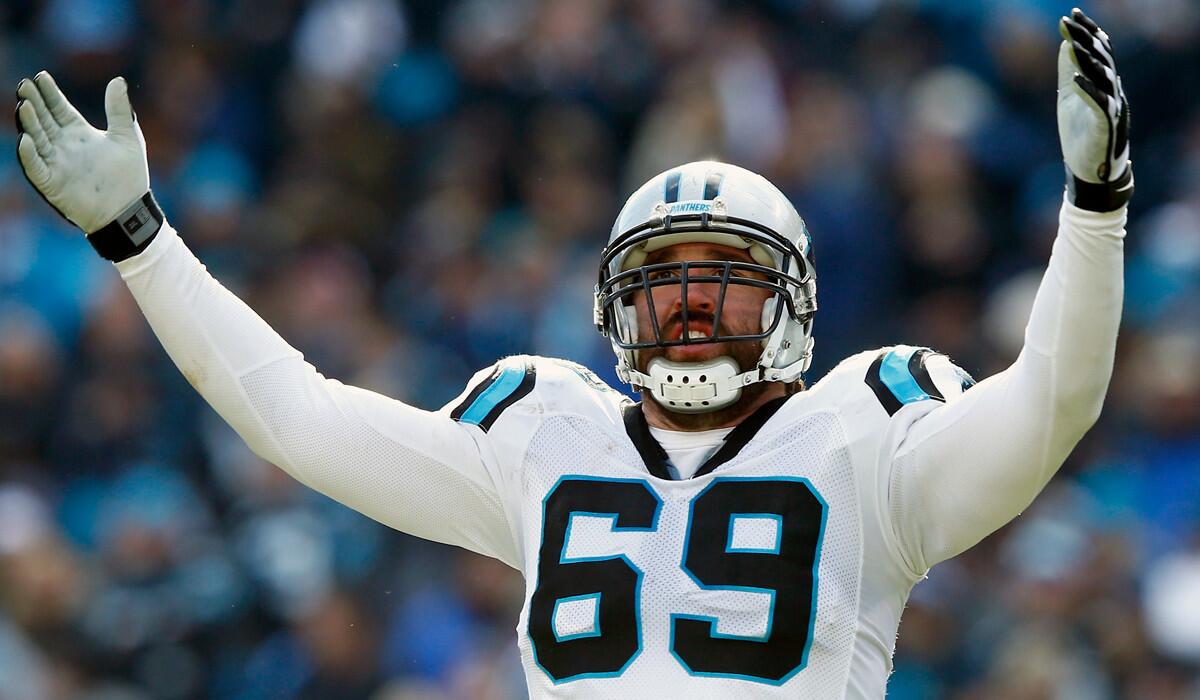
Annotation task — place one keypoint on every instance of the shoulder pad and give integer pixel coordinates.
(491, 392)
(904, 374)
(567, 387)
(560, 371)
(553, 384)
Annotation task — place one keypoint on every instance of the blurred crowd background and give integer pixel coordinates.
(409, 189)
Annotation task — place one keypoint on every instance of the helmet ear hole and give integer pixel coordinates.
(768, 312)
(627, 323)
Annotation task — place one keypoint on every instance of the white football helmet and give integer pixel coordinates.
(709, 202)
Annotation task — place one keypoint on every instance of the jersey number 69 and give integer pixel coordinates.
(787, 572)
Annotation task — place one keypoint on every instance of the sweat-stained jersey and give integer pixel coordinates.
(772, 573)
(779, 570)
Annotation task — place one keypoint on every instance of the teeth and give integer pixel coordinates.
(696, 334)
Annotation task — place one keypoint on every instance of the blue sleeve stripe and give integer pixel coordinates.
(512, 383)
(896, 375)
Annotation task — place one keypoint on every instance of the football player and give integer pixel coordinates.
(733, 535)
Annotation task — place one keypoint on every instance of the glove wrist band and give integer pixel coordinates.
(1100, 196)
(129, 233)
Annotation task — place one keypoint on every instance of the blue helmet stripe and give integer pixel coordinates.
(712, 185)
(672, 187)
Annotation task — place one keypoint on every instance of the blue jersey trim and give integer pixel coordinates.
(501, 388)
(594, 632)
(774, 549)
(899, 378)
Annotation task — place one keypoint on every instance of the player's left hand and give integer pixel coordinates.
(1093, 117)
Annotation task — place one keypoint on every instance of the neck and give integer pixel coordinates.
(753, 397)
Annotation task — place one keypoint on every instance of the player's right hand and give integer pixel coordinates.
(89, 176)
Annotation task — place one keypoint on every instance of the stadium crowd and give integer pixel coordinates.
(408, 189)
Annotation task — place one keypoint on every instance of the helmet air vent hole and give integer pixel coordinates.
(704, 378)
(703, 403)
(685, 379)
(670, 378)
(688, 403)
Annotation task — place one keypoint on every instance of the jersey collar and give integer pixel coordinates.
(655, 457)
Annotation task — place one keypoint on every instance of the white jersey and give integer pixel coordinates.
(779, 570)
(770, 574)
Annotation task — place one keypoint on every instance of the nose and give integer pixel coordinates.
(701, 296)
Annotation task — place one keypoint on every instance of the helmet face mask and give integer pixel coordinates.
(616, 290)
(750, 214)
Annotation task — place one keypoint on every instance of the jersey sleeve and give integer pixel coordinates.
(420, 472)
(971, 460)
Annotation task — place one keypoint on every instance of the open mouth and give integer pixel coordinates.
(696, 330)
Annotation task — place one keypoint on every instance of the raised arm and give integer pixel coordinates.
(417, 471)
(968, 467)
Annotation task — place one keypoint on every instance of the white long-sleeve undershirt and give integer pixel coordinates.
(417, 471)
(970, 466)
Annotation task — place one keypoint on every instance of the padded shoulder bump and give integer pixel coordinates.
(902, 374)
(511, 380)
(573, 371)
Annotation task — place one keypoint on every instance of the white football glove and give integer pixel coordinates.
(1093, 117)
(98, 180)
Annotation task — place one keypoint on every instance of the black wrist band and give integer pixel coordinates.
(129, 233)
(1103, 196)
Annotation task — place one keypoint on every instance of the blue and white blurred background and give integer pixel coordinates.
(408, 189)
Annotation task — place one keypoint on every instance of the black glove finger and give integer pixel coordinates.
(1114, 114)
(1110, 107)
(17, 111)
(1082, 37)
(1074, 32)
(1102, 76)
(1081, 17)
(1103, 100)
(1088, 23)
(1121, 137)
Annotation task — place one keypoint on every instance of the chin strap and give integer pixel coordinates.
(699, 387)
(694, 387)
